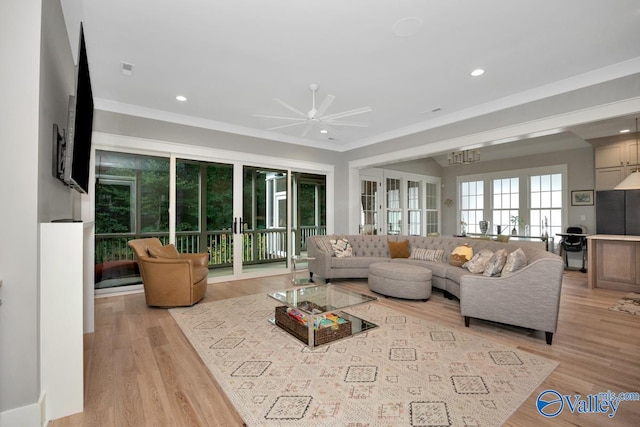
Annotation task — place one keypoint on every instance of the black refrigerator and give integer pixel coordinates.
(618, 212)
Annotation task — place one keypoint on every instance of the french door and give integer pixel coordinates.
(236, 212)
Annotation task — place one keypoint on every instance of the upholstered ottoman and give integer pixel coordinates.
(400, 280)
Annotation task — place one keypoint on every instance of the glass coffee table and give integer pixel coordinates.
(313, 314)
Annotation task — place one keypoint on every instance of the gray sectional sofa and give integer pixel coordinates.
(529, 297)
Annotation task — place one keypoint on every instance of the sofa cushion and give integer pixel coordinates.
(341, 247)
(399, 249)
(167, 251)
(324, 244)
(479, 261)
(515, 261)
(460, 255)
(496, 263)
(355, 261)
(455, 273)
(427, 254)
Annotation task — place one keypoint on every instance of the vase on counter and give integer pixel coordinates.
(484, 226)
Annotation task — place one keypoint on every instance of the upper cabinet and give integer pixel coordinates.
(615, 159)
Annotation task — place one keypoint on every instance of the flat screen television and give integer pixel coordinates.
(75, 155)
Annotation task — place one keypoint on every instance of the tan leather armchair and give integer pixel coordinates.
(170, 279)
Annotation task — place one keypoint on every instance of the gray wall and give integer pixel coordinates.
(580, 164)
(18, 217)
(36, 88)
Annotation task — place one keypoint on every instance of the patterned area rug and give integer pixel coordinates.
(630, 303)
(407, 372)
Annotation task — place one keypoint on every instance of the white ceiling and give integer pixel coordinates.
(404, 59)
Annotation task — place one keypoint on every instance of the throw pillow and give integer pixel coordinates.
(496, 263)
(515, 261)
(479, 261)
(341, 247)
(399, 249)
(167, 251)
(460, 255)
(427, 254)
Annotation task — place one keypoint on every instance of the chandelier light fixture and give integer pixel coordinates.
(463, 157)
(632, 182)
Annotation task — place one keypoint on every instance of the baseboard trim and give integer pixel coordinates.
(26, 416)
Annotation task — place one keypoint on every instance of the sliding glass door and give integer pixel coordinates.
(249, 219)
(262, 220)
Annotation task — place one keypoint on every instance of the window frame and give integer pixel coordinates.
(525, 191)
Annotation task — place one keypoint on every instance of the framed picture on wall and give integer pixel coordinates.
(582, 198)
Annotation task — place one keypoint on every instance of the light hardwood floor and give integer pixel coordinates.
(141, 371)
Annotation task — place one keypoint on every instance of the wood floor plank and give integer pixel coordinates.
(141, 370)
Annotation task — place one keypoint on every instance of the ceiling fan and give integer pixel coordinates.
(315, 117)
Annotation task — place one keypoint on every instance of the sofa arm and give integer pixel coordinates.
(200, 259)
(320, 259)
(529, 298)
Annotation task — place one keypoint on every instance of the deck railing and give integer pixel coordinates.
(260, 246)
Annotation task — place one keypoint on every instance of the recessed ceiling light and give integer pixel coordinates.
(181, 98)
(324, 131)
(625, 131)
(407, 27)
(477, 72)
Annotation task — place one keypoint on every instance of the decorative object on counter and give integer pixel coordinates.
(516, 222)
(463, 227)
(484, 227)
(498, 229)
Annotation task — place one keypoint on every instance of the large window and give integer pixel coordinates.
(506, 203)
(414, 208)
(431, 208)
(394, 211)
(131, 199)
(546, 204)
(472, 205)
(531, 200)
(369, 206)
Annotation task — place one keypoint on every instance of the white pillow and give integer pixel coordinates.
(341, 247)
(496, 263)
(478, 263)
(427, 254)
(515, 261)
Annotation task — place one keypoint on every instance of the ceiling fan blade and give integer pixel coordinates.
(306, 130)
(286, 126)
(291, 108)
(279, 117)
(346, 113)
(356, 124)
(325, 105)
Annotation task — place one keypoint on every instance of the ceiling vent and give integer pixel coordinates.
(126, 68)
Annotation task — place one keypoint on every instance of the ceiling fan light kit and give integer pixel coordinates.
(316, 116)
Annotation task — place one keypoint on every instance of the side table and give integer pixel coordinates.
(303, 280)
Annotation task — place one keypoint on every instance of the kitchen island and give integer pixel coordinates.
(614, 262)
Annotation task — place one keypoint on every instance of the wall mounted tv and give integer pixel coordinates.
(73, 150)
